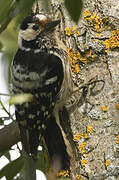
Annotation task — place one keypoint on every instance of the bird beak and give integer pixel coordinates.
(51, 25)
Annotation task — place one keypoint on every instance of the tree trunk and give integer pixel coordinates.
(94, 109)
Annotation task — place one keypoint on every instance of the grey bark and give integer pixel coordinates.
(9, 136)
(101, 146)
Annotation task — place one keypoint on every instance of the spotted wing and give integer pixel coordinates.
(40, 74)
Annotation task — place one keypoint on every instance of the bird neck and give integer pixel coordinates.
(40, 44)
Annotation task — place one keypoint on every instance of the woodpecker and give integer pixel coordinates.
(41, 68)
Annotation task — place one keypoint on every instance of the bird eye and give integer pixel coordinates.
(35, 27)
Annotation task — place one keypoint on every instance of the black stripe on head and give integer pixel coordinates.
(25, 22)
(29, 19)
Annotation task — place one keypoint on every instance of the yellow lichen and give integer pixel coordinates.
(97, 27)
(76, 68)
(93, 20)
(93, 56)
(104, 108)
(117, 139)
(107, 162)
(74, 59)
(79, 177)
(77, 137)
(90, 55)
(117, 106)
(82, 148)
(113, 40)
(90, 129)
(86, 13)
(83, 162)
(85, 135)
(98, 23)
(83, 151)
(99, 35)
(85, 155)
(63, 174)
(77, 33)
(82, 145)
(70, 30)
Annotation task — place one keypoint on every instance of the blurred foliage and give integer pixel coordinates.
(19, 9)
(41, 163)
(46, 5)
(9, 25)
(7, 155)
(1, 121)
(11, 8)
(74, 8)
(8, 38)
(11, 169)
(16, 166)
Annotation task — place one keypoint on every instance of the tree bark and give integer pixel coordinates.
(96, 114)
(9, 135)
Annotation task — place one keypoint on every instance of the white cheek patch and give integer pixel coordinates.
(29, 34)
(41, 17)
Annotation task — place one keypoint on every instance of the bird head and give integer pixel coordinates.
(35, 25)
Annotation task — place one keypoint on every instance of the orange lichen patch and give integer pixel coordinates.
(63, 174)
(107, 162)
(104, 108)
(83, 151)
(82, 148)
(113, 40)
(90, 129)
(79, 177)
(117, 106)
(77, 68)
(85, 155)
(85, 135)
(93, 20)
(77, 137)
(106, 50)
(90, 55)
(117, 139)
(74, 59)
(77, 33)
(97, 27)
(93, 56)
(86, 14)
(99, 35)
(81, 58)
(70, 30)
(83, 162)
(82, 145)
(95, 40)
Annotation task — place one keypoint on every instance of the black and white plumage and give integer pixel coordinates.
(41, 68)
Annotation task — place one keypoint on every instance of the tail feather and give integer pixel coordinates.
(55, 144)
(29, 136)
